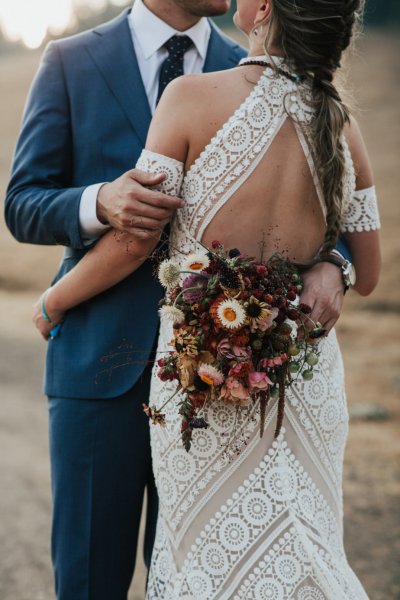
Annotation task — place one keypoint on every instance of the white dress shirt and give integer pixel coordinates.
(149, 34)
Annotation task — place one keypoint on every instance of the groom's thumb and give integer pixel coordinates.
(145, 178)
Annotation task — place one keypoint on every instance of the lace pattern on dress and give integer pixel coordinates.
(361, 213)
(234, 152)
(152, 162)
(242, 518)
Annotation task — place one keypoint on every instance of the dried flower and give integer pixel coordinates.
(196, 262)
(194, 281)
(258, 380)
(231, 314)
(155, 416)
(227, 350)
(238, 334)
(234, 391)
(210, 374)
(168, 274)
(172, 313)
(275, 361)
(185, 343)
(256, 311)
(187, 370)
(266, 321)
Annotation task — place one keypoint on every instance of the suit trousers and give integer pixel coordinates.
(100, 468)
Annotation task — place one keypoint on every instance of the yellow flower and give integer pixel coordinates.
(255, 310)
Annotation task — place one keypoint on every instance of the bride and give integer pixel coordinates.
(266, 152)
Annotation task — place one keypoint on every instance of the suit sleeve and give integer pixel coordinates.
(42, 205)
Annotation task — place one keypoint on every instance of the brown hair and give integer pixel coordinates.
(312, 35)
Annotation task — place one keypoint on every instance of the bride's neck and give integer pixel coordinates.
(257, 46)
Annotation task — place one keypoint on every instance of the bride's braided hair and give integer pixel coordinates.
(313, 35)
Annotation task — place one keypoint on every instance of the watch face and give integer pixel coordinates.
(349, 274)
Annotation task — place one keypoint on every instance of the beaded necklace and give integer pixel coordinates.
(263, 63)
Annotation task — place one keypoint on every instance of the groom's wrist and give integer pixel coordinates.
(101, 204)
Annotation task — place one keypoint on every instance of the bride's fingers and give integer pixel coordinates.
(329, 325)
(326, 316)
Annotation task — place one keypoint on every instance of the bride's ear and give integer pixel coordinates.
(263, 12)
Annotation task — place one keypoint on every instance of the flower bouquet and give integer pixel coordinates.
(240, 335)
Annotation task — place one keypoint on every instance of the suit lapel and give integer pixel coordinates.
(112, 51)
(219, 54)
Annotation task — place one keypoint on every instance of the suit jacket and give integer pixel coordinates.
(86, 121)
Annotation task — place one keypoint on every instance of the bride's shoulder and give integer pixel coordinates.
(189, 87)
(181, 105)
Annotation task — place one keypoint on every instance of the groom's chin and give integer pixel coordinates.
(205, 8)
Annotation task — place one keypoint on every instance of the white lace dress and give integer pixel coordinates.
(244, 518)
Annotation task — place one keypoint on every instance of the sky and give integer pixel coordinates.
(28, 21)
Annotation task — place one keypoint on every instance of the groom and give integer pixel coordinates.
(84, 126)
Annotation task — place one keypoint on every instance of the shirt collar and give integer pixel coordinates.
(152, 32)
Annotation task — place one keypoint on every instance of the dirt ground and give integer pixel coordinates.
(369, 332)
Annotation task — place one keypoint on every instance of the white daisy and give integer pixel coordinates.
(231, 314)
(196, 262)
(210, 374)
(168, 273)
(171, 313)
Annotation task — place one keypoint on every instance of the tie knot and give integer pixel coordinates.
(178, 44)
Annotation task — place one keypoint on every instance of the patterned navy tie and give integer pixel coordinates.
(172, 66)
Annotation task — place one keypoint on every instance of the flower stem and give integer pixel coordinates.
(169, 399)
(189, 289)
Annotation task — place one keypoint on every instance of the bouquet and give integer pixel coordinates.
(240, 334)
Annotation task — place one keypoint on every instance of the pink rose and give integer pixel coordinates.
(227, 350)
(234, 391)
(259, 380)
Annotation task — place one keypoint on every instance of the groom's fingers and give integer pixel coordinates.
(144, 181)
(122, 202)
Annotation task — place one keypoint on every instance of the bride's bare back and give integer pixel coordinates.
(274, 205)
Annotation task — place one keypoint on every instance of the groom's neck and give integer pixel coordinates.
(174, 15)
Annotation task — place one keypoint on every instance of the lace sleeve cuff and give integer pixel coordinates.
(360, 213)
(152, 162)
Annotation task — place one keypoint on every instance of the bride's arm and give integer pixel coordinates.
(115, 256)
(365, 242)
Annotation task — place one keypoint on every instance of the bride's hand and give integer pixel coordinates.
(323, 291)
(43, 325)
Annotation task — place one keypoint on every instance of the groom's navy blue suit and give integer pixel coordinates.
(85, 122)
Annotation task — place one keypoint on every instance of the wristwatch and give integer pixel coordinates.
(347, 268)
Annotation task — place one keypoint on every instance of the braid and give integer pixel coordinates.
(313, 35)
(330, 117)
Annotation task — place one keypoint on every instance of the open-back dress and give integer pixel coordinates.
(243, 517)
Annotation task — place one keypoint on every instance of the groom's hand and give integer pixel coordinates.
(127, 204)
(323, 291)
